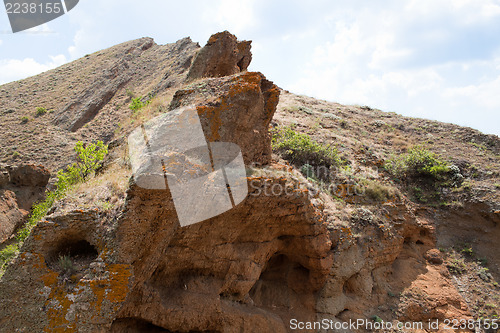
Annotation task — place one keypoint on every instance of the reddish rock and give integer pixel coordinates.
(29, 175)
(434, 256)
(223, 55)
(11, 216)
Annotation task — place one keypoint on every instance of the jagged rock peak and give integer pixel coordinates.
(223, 55)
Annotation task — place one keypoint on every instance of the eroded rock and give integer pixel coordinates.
(222, 55)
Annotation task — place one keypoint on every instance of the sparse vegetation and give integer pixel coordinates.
(24, 119)
(40, 111)
(137, 103)
(456, 266)
(377, 191)
(300, 149)
(89, 159)
(417, 162)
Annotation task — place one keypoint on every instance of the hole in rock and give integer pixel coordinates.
(280, 282)
(72, 256)
(419, 242)
(134, 325)
(138, 325)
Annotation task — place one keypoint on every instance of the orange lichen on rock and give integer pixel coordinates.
(110, 291)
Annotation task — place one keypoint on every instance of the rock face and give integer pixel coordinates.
(223, 55)
(20, 187)
(239, 110)
(29, 175)
(11, 216)
(85, 107)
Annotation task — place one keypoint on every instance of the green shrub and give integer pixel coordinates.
(89, 159)
(136, 104)
(24, 120)
(40, 111)
(417, 162)
(8, 252)
(300, 149)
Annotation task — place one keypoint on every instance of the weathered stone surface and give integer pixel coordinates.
(434, 256)
(4, 176)
(29, 175)
(286, 251)
(85, 107)
(235, 109)
(11, 216)
(223, 55)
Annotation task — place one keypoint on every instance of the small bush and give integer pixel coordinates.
(9, 252)
(40, 111)
(468, 251)
(300, 149)
(136, 104)
(89, 159)
(378, 192)
(417, 162)
(24, 120)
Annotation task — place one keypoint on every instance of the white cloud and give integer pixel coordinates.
(468, 11)
(382, 58)
(15, 69)
(235, 16)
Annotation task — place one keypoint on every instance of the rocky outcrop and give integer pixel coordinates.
(235, 109)
(222, 55)
(11, 216)
(29, 175)
(20, 187)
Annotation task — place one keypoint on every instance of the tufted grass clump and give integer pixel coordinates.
(300, 149)
(66, 264)
(417, 162)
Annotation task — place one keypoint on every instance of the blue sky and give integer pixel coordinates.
(436, 59)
